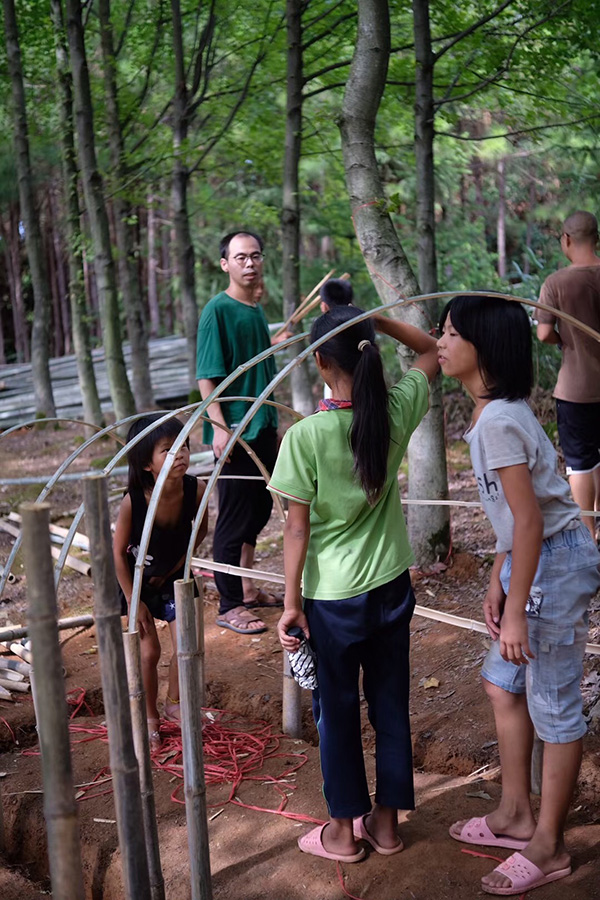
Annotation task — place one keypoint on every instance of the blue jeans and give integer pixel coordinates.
(372, 631)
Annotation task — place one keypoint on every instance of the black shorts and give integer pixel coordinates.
(579, 435)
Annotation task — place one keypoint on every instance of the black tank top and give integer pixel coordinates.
(167, 545)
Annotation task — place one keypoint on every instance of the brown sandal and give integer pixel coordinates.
(238, 619)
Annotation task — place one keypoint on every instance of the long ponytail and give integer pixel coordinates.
(354, 351)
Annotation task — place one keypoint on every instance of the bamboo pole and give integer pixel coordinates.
(21, 687)
(291, 702)
(137, 705)
(191, 735)
(199, 605)
(60, 808)
(19, 631)
(303, 303)
(15, 665)
(123, 764)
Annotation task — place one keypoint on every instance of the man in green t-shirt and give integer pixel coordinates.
(233, 329)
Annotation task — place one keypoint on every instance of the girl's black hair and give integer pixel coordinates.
(500, 331)
(370, 430)
(140, 456)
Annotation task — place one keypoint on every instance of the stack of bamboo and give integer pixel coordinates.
(15, 668)
(57, 535)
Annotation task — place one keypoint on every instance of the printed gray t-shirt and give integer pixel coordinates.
(508, 434)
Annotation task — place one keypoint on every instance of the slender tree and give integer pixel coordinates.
(92, 411)
(126, 262)
(40, 361)
(388, 264)
(290, 213)
(104, 266)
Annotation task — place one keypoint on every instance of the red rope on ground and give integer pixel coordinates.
(76, 698)
(12, 734)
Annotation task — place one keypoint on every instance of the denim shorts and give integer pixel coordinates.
(567, 578)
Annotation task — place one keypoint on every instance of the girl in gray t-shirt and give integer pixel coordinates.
(535, 609)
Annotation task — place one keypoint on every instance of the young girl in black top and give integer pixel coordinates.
(177, 506)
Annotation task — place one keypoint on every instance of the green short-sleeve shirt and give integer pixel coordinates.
(353, 547)
(229, 334)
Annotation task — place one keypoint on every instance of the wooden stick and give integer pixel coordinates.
(303, 303)
(301, 313)
(137, 705)
(73, 562)
(19, 631)
(60, 808)
(291, 705)
(123, 764)
(191, 735)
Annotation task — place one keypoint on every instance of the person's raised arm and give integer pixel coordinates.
(415, 339)
(214, 412)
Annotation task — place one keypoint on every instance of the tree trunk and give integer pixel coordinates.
(424, 135)
(501, 220)
(40, 362)
(302, 399)
(153, 305)
(56, 330)
(387, 262)
(12, 255)
(127, 263)
(104, 266)
(92, 411)
(184, 248)
(61, 280)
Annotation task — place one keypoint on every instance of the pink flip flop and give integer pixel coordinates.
(313, 843)
(477, 831)
(524, 875)
(361, 834)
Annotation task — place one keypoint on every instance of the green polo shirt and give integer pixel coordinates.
(229, 334)
(353, 547)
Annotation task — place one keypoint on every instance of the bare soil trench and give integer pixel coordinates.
(254, 853)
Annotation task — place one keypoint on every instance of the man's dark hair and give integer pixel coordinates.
(225, 241)
(336, 292)
(500, 331)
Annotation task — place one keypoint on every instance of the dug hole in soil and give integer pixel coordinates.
(254, 853)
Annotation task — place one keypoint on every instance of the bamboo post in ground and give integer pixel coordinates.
(60, 807)
(137, 706)
(191, 735)
(291, 705)
(199, 604)
(123, 764)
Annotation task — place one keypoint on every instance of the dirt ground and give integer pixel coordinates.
(254, 853)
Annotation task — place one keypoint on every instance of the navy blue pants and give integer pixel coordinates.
(372, 631)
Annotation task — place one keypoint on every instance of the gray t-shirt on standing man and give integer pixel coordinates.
(508, 434)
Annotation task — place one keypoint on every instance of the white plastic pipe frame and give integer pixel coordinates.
(197, 411)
